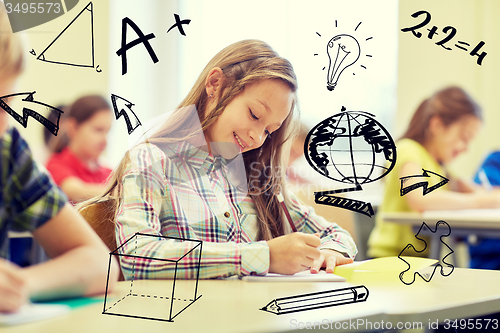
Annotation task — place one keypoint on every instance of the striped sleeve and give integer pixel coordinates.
(156, 235)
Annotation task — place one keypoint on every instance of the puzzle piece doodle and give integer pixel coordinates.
(428, 277)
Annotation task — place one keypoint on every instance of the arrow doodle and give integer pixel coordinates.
(427, 277)
(27, 112)
(123, 110)
(326, 198)
(424, 184)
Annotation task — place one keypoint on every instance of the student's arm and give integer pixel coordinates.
(440, 199)
(333, 241)
(77, 190)
(460, 185)
(79, 263)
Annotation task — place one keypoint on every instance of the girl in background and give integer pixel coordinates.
(440, 130)
(75, 164)
(177, 184)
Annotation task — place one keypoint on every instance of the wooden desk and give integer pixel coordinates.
(480, 222)
(234, 306)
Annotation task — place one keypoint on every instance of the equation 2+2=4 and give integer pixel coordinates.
(450, 33)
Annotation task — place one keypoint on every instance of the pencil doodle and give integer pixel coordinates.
(134, 298)
(317, 300)
(449, 32)
(58, 52)
(178, 24)
(142, 39)
(428, 277)
(122, 107)
(30, 102)
(363, 145)
(425, 184)
(343, 51)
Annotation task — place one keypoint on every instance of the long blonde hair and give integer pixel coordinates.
(242, 63)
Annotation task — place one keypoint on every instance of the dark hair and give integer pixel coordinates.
(449, 104)
(81, 110)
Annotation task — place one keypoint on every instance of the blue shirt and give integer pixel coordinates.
(486, 253)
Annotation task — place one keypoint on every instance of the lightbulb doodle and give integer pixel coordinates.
(353, 148)
(343, 51)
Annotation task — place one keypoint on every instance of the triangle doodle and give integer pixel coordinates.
(74, 46)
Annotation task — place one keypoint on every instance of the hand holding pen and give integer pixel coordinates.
(295, 252)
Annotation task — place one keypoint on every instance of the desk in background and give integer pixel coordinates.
(463, 223)
(234, 306)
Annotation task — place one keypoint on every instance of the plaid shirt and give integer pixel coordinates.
(28, 196)
(185, 192)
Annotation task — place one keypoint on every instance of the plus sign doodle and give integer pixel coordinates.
(178, 24)
(143, 39)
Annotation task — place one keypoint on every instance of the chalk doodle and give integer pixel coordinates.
(142, 302)
(449, 32)
(365, 146)
(58, 51)
(317, 300)
(122, 107)
(29, 112)
(428, 277)
(343, 51)
(142, 39)
(178, 24)
(427, 175)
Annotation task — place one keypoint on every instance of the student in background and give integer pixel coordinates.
(177, 183)
(485, 252)
(30, 201)
(75, 164)
(441, 129)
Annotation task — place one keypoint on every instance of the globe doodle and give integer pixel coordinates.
(351, 147)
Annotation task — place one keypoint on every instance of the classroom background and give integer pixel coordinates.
(395, 71)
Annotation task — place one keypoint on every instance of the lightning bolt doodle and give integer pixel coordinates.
(425, 184)
(28, 112)
(122, 107)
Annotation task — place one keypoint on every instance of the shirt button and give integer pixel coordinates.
(226, 214)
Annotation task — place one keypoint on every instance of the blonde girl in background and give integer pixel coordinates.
(441, 129)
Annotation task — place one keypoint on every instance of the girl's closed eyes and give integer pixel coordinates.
(257, 118)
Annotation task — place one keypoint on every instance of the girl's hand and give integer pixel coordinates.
(13, 287)
(489, 199)
(329, 259)
(293, 253)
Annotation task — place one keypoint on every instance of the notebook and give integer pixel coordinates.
(304, 276)
(33, 312)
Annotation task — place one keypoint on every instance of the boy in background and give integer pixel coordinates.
(30, 201)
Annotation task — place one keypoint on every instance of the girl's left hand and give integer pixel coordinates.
(329, 259)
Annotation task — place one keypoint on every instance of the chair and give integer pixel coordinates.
(100, 216)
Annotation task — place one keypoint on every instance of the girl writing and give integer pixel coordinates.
(185, 181)
(74, 165)
(440, 130)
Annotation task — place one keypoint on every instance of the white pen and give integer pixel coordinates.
(484, 180)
